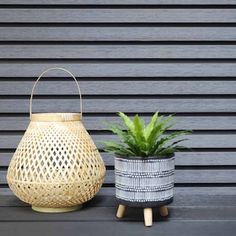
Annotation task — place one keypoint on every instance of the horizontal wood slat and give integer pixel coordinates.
(139, 34)
(184, 197)
(187, 159)
(117, 15)
(11, 141)
(194, 195)
(118, 2)
(133, 69)
(146, 87)
(117, 51)
(110, 105)
(181, 176)
(97, 123)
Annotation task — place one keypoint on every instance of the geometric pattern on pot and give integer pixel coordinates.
(144, 182)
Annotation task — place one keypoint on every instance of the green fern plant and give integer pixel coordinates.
(139, 140)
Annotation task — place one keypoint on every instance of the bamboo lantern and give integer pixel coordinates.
(56, 166)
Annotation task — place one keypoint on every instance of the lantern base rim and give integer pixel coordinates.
(56, 209)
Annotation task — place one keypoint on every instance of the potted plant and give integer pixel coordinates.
(144, 163)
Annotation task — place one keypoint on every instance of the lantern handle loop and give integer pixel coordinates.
(42, 74)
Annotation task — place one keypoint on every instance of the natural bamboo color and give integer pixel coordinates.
(56, 164)
(120, 211)
(56, 210)
(147, 216)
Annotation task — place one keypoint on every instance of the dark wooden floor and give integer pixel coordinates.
(195, 211)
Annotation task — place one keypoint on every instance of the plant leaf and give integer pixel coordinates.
(144, 141)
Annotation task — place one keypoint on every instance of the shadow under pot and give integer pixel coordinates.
(144, 183)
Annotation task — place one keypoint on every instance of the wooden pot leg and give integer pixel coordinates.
(163, 211)
(148, 216)
(120, 211)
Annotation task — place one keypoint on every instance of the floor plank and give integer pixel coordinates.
(195, 211)
(172, 228)
(25, 214)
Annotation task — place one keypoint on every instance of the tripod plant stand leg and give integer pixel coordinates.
(148, 216)
(163, 211)
(120, 211)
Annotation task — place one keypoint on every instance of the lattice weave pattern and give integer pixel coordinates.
(56, 164)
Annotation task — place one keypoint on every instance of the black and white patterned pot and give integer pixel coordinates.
(144, 182)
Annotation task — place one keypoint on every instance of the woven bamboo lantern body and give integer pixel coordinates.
(56, 166)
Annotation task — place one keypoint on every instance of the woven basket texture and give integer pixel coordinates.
(56, 164)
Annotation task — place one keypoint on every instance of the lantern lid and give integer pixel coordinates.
(58, 117)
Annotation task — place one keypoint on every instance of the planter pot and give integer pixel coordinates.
(144, 182)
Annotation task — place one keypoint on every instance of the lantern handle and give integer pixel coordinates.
(42, 74)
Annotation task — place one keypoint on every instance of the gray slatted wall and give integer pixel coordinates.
(132, 56)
